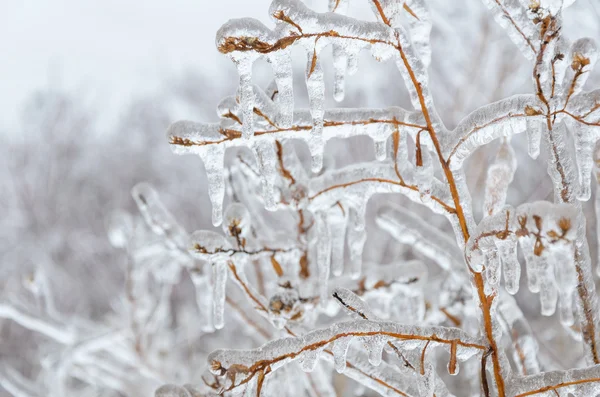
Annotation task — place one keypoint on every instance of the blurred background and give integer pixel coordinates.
(88, 89)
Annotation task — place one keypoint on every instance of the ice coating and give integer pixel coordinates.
(409, 229)
(238, 221)
(500, 119)
(577, 382)
(157, 216)
(316, 98)
(308, 347)
(525, 354)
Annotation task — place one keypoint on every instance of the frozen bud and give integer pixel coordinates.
(209, 245)
(283, 302)
(237, 221)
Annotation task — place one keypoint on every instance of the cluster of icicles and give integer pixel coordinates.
(257, 119)
(546, 233)
(260, 120)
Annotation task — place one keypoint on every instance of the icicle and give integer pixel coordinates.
(281, 62)
(548, 292)
(566, 280)
(157, 216)
(426, 383)
(380, 149)
(353, 61)
(584, 145)
(565, 307)
(507, 250)
(246, 93)
(204, 300)
(453, 363)
(339, 350)
(424, 174)
(316, 99)
(340, 62)
(532, 263)
(213, 158)
(219, 284)
(534, 136)
(323, 256)
(374, 346)
(309, 359)
(357, 236)
(266, 158)
(337, 224)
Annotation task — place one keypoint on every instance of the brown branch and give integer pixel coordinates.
(381, 180)
(231, 135)
(262, 364)
(284, 172)
(507, 15)
(247, 319)
(482, 126)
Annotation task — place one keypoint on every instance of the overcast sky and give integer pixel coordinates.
(110, 49)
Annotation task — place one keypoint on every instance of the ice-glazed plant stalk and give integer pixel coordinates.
(419, 157)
